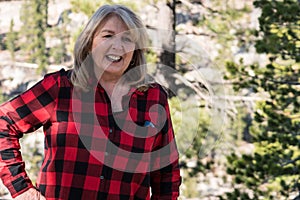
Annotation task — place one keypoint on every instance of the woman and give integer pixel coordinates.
(108, 133)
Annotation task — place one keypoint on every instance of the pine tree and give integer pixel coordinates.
(272, 170)
(11, 40)
(34, 17)
(59, 52)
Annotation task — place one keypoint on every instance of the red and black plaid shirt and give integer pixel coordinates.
(90, 151)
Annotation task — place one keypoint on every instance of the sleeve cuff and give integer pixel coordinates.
(19, 186)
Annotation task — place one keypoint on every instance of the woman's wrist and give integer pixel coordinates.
(30, 194)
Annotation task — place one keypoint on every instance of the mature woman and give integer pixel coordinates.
(108, 132)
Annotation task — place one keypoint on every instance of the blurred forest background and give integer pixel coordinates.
(234, 78)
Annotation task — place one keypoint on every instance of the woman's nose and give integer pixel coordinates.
(117, 43)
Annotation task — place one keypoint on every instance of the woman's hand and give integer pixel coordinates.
(31, 194)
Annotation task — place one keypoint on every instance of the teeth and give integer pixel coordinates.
(114, 58)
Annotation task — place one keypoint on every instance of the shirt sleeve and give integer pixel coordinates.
(165, 179)
(23, 114)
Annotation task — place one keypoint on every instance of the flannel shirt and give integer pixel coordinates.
(83, 156)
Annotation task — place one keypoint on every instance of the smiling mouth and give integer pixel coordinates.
(114, 58)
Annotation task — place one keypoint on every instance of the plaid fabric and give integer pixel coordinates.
(91, 152)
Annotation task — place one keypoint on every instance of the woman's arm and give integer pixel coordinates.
(25, 113)
(165, 179)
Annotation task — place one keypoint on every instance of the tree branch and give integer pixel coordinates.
(284, 82)
(290, 162)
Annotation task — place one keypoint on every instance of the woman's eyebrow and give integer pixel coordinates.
(107, 30)
(126, 33)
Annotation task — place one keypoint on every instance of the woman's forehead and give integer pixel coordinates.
(113, 24)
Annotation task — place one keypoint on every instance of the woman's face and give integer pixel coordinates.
(112, 48)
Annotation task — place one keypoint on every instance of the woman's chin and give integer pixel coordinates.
(113, 71)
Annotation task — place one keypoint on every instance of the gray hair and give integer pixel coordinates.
(83, 62)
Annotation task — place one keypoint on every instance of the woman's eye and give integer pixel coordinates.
(127, 39)
(107, 36)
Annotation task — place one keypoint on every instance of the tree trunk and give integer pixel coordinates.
(166, 26)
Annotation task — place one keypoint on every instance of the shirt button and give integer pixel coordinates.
(106, 153)
(102, 177)
(110, 130)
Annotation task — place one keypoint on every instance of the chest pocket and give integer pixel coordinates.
(141, 141)
(133, 130)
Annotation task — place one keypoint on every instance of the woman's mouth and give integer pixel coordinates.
(114, 58)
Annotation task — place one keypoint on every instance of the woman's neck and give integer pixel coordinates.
(115, 92)
(108, 85)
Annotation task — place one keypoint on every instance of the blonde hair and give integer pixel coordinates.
(83, 61)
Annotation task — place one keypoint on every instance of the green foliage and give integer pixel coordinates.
(3, 98)
(190, 184)
(225, 23)
(272, 171)
(33, 31)
(2, 43)
(191, 126)
(32, 154)
(59, 53)
(89, 7)
(279, 22)
(11, 40)
(74, 36)
(151, 56)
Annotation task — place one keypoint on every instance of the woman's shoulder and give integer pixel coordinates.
(61, 77)
(152, 89)
(60, 73)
